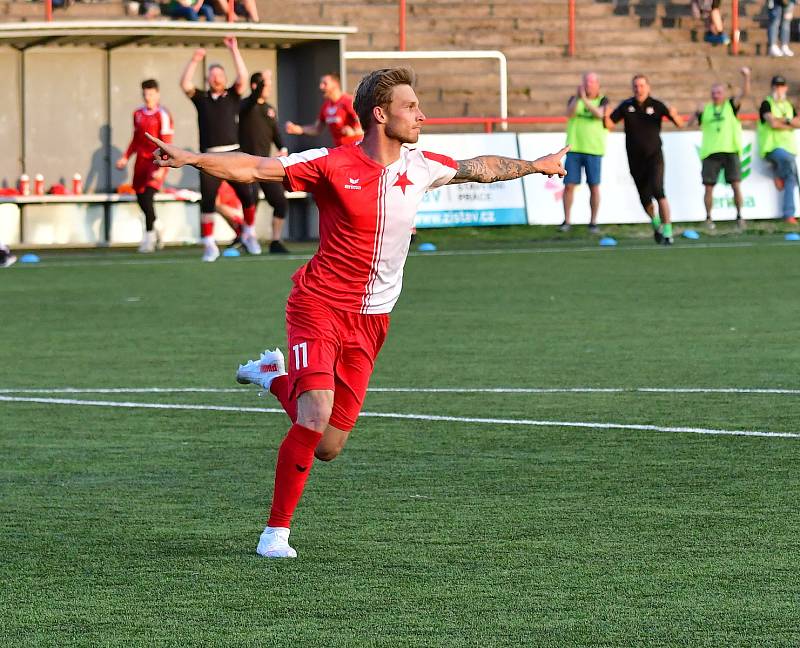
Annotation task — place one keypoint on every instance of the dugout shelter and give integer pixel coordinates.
(71, 89)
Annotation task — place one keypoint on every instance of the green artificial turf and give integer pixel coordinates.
(129, 526)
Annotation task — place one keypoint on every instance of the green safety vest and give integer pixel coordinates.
(770, 138)
(722, 131)
(585, 132)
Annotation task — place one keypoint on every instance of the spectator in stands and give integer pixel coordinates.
(146, 8)
(776, 142)
(710, 12)
(191, 10)
(245, 8)
(337, 113)
(643, 115)
(6, 258)
(779, 27)
(722, 143)
(586, 137)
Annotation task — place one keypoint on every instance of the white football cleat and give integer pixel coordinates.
(148, 243)
(263, 371)
(274, 543)
(251, 243)
(210, 252)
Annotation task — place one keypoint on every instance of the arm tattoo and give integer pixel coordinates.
(492, 168)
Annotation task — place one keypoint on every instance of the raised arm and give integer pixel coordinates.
(494, 168)
(241, 69)
(745, 89)
(187, 85)
(235, 167)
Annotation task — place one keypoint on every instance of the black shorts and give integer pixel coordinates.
(275, 196)
(209, 186)
(715, 162)
(648, 175)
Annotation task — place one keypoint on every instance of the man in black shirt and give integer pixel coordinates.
(643, 115)
(258, 131)
(217, 120)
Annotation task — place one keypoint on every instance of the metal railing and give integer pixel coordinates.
(489, 123)
(448, 54)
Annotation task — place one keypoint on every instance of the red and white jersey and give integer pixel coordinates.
(157, 122)
(366, 212)
(338, 114)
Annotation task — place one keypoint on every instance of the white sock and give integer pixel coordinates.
(247, 230)
(208, 241)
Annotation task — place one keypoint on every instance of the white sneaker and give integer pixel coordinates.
(274, 543)
(148, 244)
(210, 252)
(786, 51)
(251, 243)
(263, 371)
(775, 50)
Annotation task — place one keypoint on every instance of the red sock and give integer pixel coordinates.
(207, 229)
(249, 214)
(280, 389)
(295, 457)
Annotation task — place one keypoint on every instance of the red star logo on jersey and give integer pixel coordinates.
(402, 181)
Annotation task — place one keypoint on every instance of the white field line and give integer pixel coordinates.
(416, 417)
(419, 390)
(442, 253)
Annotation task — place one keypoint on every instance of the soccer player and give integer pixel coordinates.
(776, 142)
(586, 138)
(642, 116)
(337, 315)
(258, 131)
(722, 143)
(217, 117)
(148, 178)
(337, 113)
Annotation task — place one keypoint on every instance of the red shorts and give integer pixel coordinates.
(332, 349)
(143, 172)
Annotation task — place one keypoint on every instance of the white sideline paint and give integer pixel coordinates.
(420, 390)
(416, 417)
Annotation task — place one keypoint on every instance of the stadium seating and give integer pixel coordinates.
(616, 38)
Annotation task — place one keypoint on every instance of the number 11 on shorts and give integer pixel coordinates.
(300, 355)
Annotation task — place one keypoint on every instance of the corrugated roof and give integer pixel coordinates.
(108, 34)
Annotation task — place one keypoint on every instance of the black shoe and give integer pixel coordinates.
(668, 240)
(276, 247)
(236, 243)
(658, 236)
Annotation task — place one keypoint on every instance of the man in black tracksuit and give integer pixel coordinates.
(258, 131)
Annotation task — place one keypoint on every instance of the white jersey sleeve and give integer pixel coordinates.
(441, 169)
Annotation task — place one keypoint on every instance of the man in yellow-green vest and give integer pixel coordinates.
(776, 142)
(586, 137)
(722, 143)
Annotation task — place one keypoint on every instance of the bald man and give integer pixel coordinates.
(586, 137)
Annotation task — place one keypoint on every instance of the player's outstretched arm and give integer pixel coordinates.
(236, 167)
(495, 168)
